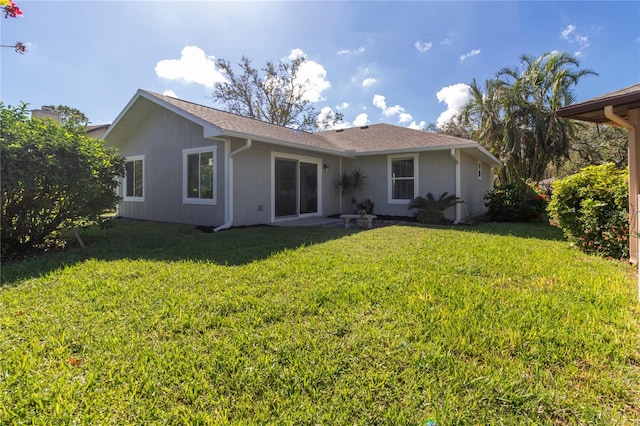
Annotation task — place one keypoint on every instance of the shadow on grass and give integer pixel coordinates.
(541, 231)
(129, 239)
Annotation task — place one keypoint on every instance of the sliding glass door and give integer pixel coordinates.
(295, 187)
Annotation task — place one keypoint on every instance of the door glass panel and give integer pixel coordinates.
(308, 188)
(285, 187)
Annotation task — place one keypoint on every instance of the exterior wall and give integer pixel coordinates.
(252, 184)
(436, 174)
(161, 138)
(473, 189)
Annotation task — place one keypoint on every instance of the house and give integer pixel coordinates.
(192, 164)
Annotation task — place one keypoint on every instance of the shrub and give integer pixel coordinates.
(53, 176)
(431, 210)
(591, 208)
(516, 202)
(366, 205)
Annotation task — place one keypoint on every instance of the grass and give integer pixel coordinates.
(163, 324)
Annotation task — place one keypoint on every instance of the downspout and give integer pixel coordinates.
(456, 160)
(229, 200)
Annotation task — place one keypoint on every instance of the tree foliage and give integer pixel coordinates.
(514, 114)
(53, 176)
(70, 116)
(594, 145)
(275, 94)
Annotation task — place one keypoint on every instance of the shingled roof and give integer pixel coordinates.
(373, 139)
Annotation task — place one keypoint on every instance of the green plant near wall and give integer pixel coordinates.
(352, 182)
(430, 210)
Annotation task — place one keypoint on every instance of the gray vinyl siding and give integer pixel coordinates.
(473, 189)
(161, 137)
(253, 182)
(436, 174)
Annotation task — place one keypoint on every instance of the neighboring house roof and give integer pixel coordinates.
(366, 140)
(592, 110)
(97, 131)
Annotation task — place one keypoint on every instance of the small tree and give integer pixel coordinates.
(352, 182)
(276, 94)
(53, 176)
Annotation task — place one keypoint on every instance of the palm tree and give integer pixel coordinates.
(514, 117)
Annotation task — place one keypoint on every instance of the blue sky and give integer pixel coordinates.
(404, 63)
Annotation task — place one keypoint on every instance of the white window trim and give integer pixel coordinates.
(416, 191)
(299, 158)
(124, 180)
(185, 177)
(479, 170)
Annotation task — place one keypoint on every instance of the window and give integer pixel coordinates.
(134, 178)
(479, 170)
(403, 178)
(199, 175)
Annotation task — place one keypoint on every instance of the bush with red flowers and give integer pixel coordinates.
(516, 202)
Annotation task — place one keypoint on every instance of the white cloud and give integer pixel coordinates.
(474, 52)
(357, 51)
(571, 35)
(368, 82)
(417, 126)
(312, 75)
(567, 31)
(446, 42)
(380, 102)
(423, 46)
(192, 67)
(170, 93)
(343, 105)
(455, 96)
(297, 53)
(324, 114)
(361, 120)
(404, 118)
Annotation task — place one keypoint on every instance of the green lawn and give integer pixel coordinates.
(163, 324)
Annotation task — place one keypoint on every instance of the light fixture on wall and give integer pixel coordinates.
(325, 166)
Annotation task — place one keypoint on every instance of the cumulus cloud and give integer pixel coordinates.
(455, 97)
(368, 82)
(312, 75)
(361, 120)
(404, 118)
(192, 67)
(423, 46)
(474, 52)
(170, 93)
(387, 111)
(417, 126)
(357, 51)
(343, 105)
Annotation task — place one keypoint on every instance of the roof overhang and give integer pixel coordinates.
(622, 101)
(139, 108)
(473, 149)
